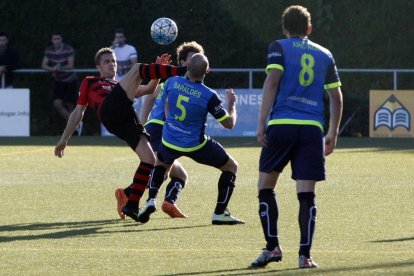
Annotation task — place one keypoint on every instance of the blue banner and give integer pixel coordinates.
(248, 106)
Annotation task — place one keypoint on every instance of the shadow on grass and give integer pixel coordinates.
(237, 271)
(81, 229)
(108, 141)
(55, 225)
(52, 140)
(318, 271)
(395, 240)
(376, 144)
(228, 142)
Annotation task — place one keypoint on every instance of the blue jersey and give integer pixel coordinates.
(308, 70)
(188, 106)
(157, 114)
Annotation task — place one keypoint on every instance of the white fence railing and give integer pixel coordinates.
(249, 71)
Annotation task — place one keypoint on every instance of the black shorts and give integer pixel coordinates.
(302, 145)
(120, 118)
(66, 91)
(155, 130)
(212, 154)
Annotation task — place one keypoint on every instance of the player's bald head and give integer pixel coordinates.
(198, 65)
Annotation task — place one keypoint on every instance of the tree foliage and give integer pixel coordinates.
(234, 33)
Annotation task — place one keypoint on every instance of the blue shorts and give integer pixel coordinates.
(302, 145)
(155, 131)
(212, 154)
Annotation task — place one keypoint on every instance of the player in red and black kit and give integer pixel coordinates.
(112, 102)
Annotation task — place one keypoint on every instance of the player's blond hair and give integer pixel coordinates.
(101, 52)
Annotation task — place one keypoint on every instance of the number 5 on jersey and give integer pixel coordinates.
(181, 107)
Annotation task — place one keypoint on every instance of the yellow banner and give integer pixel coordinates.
(391, 113)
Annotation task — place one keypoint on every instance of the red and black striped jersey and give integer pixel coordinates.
(93, 91)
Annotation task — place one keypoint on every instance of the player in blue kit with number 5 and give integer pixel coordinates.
(183, 134)
(298, 73)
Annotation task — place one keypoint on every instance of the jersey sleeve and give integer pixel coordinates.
(83, 92)
(162, 96)
(216, 109)
(332, 77)
(275, 59)
(133, 52)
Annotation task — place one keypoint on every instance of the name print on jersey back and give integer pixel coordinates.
(188, 90)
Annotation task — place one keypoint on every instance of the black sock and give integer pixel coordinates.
(173, 189)
(156, 181)
(307, 221)
(269, 214)
(225, 190)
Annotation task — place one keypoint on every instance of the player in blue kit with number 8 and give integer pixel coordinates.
(298, 73)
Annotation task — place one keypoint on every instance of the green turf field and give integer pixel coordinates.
(59, 218)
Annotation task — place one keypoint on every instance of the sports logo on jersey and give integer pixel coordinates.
(274, 54)
(392, 114)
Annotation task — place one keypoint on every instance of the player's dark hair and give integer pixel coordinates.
(4, 34)
(187, 47)
(296, 19)
(101, 52)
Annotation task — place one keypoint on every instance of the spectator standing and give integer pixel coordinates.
(9, 61)
(126, 54)
(59, 57)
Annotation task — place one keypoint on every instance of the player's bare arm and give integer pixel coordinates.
(148, 105)
(336, 105)
(73, 121)
(230, 99)
(269, 93)
(152, 84)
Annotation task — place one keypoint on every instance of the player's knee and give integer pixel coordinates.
(177, 171)
(144, 151)
(231, 166)
(147, 157)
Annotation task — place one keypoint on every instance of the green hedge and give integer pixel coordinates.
(235, 34)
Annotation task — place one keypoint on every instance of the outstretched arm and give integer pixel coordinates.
(148, 105)
(146, 89)
(152, 84)
(73, 121)
(230, 121)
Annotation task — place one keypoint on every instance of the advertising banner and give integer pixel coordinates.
(391, 113)
(14, 112)
(248, 106)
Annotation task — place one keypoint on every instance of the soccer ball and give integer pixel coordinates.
(164, 31)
